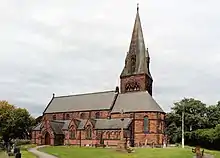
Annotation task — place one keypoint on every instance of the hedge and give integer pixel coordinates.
(207, 138)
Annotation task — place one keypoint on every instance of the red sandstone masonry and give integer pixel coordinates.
(139, 134)
(87, 114)
(110, 136)
(141, 79)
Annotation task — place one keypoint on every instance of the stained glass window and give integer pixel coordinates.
(146, 122)
(73, 134)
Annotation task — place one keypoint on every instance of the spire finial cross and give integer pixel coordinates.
(137, 6)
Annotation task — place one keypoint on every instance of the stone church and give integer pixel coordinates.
(128, 112)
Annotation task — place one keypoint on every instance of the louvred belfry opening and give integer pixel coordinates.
(136, 74)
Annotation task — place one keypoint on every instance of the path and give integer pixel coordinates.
(39, 153)
(206, 156)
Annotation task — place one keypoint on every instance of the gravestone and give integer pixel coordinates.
(198, 152)
(18, 153)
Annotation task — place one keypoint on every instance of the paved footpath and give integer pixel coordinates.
(40, 154)
(206, 156)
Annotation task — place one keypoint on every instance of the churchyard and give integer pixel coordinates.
(77, 152)
(82, 152)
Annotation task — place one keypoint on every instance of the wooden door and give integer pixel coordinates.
(47, 139)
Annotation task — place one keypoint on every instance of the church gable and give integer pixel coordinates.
(46, 127)
(90, 123)
(74, 123)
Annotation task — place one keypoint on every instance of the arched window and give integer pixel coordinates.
(54, 117)
(132, 86)
(136, 87)
(113, 135)
(89, 132)
(128, 87)
(67, 116)
(73, 134)
(146, 124)
(108, 135)
(82, 115)
(97, 115)
(98, 134)
(117, 135)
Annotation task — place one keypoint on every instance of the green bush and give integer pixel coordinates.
(20, 142)
(207, 138)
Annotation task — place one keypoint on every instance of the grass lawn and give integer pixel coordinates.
(24, 152)
(2, 154)
(76, 152)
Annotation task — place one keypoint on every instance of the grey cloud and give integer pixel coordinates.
(79, 46)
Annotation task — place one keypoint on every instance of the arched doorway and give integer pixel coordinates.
(47, 139)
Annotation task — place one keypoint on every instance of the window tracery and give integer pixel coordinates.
(132, 86)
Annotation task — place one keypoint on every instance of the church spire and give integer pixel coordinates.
(137, 59)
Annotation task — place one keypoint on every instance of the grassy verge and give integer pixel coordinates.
(69, 152)
(24, 152)
(2, 154)
(215, 153)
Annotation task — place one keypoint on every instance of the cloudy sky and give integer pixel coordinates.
(69, 47)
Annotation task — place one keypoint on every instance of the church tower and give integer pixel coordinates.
(136, 74)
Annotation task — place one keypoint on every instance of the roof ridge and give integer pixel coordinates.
(90, 93)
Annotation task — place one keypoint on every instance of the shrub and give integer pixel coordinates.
(20, 142)
(207, 138)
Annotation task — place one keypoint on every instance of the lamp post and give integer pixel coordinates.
(183, 126)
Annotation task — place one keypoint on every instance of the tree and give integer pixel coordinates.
(14, 122)
(213, 113)
(195, 117)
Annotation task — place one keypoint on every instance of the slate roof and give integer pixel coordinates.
(136, 102)
(82, 124)
(100, 124)
(66, 123)
(37, 127)
(57, 126)
(82, 102)
(103, 124)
